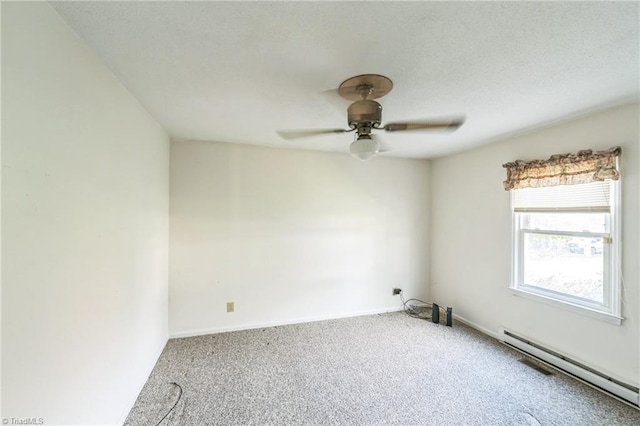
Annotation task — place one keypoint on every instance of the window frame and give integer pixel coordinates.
(610, 309)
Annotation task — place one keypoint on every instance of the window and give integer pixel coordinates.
(566, 245)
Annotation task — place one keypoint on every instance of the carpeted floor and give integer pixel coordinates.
(372, 370)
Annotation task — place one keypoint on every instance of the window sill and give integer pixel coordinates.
(582, 310)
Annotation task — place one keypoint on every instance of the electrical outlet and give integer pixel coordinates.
(230, 306)
(397, 291)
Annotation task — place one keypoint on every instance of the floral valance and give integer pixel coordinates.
(563, 169)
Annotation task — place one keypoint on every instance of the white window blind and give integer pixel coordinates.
(593, 196)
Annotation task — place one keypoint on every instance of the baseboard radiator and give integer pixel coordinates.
(574, 368)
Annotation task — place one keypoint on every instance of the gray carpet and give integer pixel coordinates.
(372, 370)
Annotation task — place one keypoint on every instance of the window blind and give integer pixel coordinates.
(592, 197)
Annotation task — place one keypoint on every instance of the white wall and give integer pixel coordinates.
(85, 228)
(291, 235)
(471, 242)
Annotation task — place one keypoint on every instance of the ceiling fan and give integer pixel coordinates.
(365, 115)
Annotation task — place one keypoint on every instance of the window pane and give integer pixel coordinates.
(573, 222)
(564, 264)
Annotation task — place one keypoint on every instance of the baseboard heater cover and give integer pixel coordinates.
(593, 377)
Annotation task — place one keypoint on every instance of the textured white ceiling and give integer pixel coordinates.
(239, 71)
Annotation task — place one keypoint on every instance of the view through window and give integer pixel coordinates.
(564, 253)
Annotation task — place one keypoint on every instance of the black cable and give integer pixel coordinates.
(413, 310)
(174, 405)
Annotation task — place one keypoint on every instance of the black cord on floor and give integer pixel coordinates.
(174, 405)
(414, 310)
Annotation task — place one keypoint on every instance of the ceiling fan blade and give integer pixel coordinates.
(452, 124)
(305, 133)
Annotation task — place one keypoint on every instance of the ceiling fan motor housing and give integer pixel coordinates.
(365, 112)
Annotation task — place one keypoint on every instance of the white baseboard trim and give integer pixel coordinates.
(476, 326)
(225, 329)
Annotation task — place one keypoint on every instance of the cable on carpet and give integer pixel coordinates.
(174, 405)
(432, 311)
(415, 310)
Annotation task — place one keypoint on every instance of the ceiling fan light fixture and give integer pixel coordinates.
(365, 115)
(364, 148)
